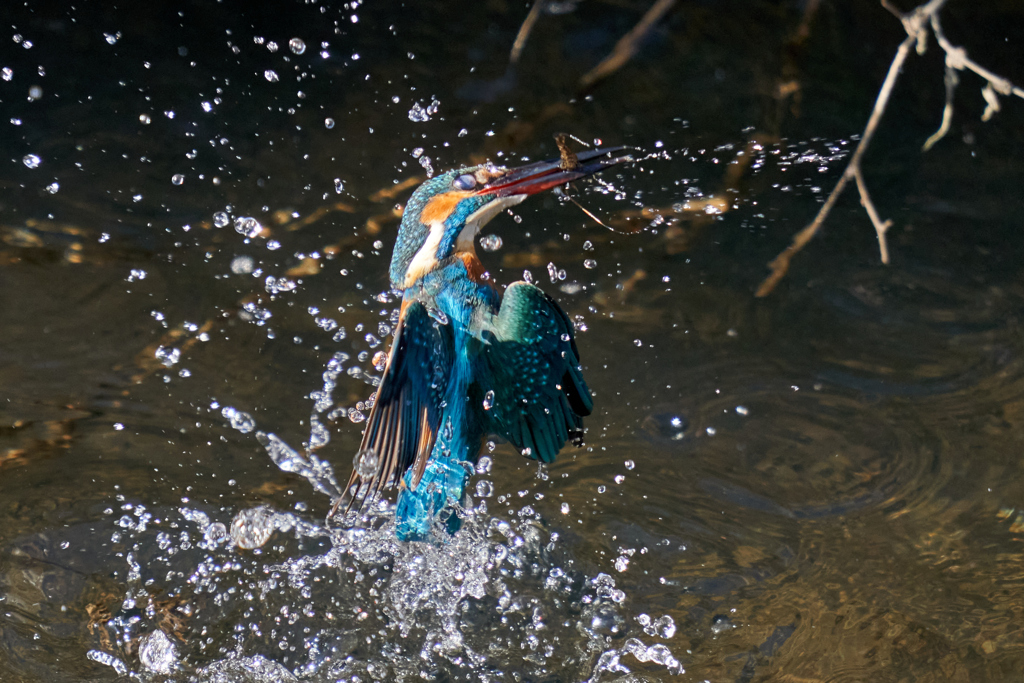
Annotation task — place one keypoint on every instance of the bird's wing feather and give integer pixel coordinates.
(533, 367)
(402, 426)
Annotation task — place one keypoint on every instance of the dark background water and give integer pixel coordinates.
(824, 484)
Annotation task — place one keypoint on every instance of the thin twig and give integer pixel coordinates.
(880, 226)
(524, 31)
(952, 80)
(627, 46)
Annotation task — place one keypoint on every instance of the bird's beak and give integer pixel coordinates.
(543, 175)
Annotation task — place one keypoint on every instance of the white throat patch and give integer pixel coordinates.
(425, 259)
(482, 217)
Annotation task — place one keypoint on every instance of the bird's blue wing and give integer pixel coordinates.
(532, 367)
(402, 427)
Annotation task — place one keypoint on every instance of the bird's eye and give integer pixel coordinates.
(465, 182)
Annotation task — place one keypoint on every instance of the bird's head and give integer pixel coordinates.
(445, 213)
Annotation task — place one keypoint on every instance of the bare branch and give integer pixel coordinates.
(524, 31)
(956, 57)
(915, 23)
(780, 264)
(627, 46)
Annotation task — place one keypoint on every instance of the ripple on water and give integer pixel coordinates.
(912, 334)
(816, 453)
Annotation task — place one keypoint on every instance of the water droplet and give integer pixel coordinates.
(112, 38)
(721, 623)
(144, 119)
(329, 123)
(663, 627)
(490, 242)
(621, 563)
(425, 162)
(272, 46)
(271, 76)
(53, 187)
(420, 113)
(297, 45)
(248, 226)
(489, 400)
(339, 186)
(177, 178)
(242, 265)
(356, 416)
(101, 657)
(31, 160)
(588, 246)
(711, 431)
(483, 465)
(565, 508)
(637, 342)
(484, 489)
(7, 73)
(207, 107)
(366, 464)
(742, 410)
(240, 420)
(630, 464)
(167, 356)
(590, 264)
(157, 653)
(252, 528)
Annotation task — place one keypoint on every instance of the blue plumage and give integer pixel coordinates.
(465, 361)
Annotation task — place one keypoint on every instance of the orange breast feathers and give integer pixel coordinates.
(474, 268)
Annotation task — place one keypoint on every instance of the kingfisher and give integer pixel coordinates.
(465, 360)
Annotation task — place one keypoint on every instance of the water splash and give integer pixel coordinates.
(317, 472)
(278, 597)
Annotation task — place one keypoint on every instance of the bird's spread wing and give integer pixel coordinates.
(533, 369)
(402, 427)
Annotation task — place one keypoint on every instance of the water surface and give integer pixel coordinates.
(198, 211)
